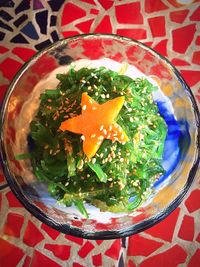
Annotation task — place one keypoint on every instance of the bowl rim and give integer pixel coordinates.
(65, 228)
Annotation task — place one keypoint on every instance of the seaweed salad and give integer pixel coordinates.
(99, 139)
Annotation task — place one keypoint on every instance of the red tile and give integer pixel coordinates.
(99, 242)
(114, 250)
(195, 259)
(179, 16)
(75, 239)
(43, 260)
(154, 6)
(137, 34)
(13, 224)
(129, 13)
(3, 49)
(196, 15)
(157, 25)
(97, 260)
(12, 200)
(9, 68)
(50, 231)
(27, 262)
(186, 231)
(198, 238)
(69, 33)
(86, 248)
(94, 11)
(88, 1)
(179, 62)
(106, 4)
(148, 43)
(169, 223)
(32, 235)
(104, 26)
(171, 257)
(85, 26)
(71, 12)
(191, 77)
(76, 264)
(196, 58)
(2, 90)
(192, 203)
(60, 251)
(131, 264)
(23, 53)
(180, 43)
(197, 42)
(141, 246)
(10, 255)
(161, 47)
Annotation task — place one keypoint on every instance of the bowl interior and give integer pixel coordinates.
(176, 105)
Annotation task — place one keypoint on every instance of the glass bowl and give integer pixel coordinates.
(181, 154)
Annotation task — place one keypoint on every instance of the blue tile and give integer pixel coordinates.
(2, 35)
(53, 20)
(24, 5)
(20, 20)
(30, 31)
(55, 36)
(41, 19)
(55, 5)
(43, 44)
(19, 38)
(5, 15)
(5, 26)
(6, 3)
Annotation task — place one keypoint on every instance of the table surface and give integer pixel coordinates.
(172, 28)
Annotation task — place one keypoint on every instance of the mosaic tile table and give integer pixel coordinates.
(171, 28)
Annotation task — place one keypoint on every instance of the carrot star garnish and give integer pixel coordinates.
(96, 123)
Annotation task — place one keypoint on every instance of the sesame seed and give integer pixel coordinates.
(51, 151)
(46, 146)
(101, 127)
(129, 109)
(122, 136)
(66, 184)
(93, 160)
(88, 175)
(90, 100)
(99, 142)
(94, 108)
(93, 135)
(131, 119)
(89, 87)
(110, 128)
(108, 136)
(104, 131)
(84, 107)
(101, 138)
(107, 96)
(95, 88)
(101, 155)
(80, 165)
(110, 179)
(103, 96)
(121, 159)
(83, 137)
(96, 92)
